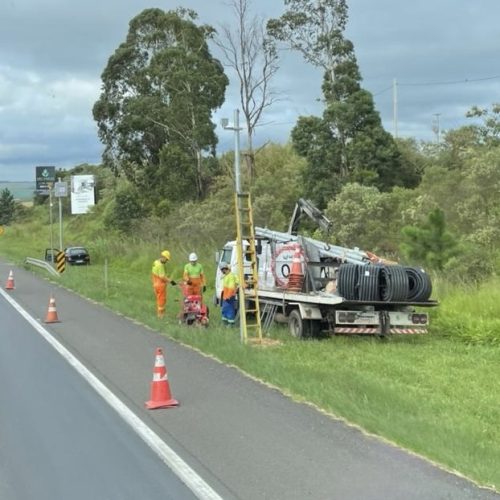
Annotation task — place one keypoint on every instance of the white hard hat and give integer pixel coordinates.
(192, 257)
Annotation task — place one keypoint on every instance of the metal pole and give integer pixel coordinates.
(395, 107)
(60, 224)
(437, 128)
(241, 294)
(237, 150)
(50, 221)
(239, 247)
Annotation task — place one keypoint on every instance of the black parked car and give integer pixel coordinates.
(51, 254)
(77, 255)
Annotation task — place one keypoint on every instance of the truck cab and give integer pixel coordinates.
(229, 255)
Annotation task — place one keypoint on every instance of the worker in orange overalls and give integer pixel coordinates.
(194, 277)
(160, 280)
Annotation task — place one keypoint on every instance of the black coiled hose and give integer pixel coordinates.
(388, 283)
(347, 281)
(419, 284)
(393, 284)
(368, 279)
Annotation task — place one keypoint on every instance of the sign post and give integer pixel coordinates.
(50, 222)
(60, 191)
(45, 178)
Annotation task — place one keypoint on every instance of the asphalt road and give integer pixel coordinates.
(58, 438)
(243, 439)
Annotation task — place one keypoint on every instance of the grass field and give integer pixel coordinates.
(436, 395)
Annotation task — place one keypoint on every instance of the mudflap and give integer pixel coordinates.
(385, 324)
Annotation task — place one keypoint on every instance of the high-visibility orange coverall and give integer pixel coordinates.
(194, 278)
(160, 280)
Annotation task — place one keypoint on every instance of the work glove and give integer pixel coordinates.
(172, 282)
(204, 288)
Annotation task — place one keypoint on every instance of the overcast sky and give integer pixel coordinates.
(444, 55)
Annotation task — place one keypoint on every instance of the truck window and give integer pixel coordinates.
(226, 255)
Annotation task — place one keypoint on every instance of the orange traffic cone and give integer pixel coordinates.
(52, 312)
(296, 278)
(10, 282)
(160, 388)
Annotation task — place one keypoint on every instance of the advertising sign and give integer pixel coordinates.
(82, 193)
(45, 178)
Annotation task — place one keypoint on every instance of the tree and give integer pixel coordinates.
(348, 144)
(413, 157)
(7, 207)
(364, 217)
(477, 210)
(489, 131)
(275, 191)
(125, 210)
(159, 90)
(253, 56)
(458, 145)
(430, 244)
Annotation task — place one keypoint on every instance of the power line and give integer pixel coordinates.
(451, 82)
(382, 91)
(428, 84)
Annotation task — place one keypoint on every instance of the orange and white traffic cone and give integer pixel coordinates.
(52, 312)
(296, 278)
(10, 282)
(161, 396)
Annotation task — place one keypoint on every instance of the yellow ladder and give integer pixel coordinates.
(249, 284)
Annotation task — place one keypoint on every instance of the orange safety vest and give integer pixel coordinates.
(230, 284)
(158, 274)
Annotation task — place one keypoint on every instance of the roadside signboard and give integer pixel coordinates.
(45, 178)
(60, 189)
(82, 193)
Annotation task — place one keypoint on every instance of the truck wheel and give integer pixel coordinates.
(296, 324)
(303, 328)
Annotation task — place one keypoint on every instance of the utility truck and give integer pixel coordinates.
(322, 289)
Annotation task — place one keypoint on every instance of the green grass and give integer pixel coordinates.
(436, 395)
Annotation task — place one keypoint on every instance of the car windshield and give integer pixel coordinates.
(74, 251)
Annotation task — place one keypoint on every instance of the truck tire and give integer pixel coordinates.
(303, 328)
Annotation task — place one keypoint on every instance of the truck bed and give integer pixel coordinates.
(323, 298)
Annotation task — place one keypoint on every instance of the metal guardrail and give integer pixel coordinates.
(42, 264)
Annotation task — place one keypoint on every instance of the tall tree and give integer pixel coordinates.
(253, 56)
(489, 130)
(7, 207)
(430, 243)
(348, 144)
(159, 90)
